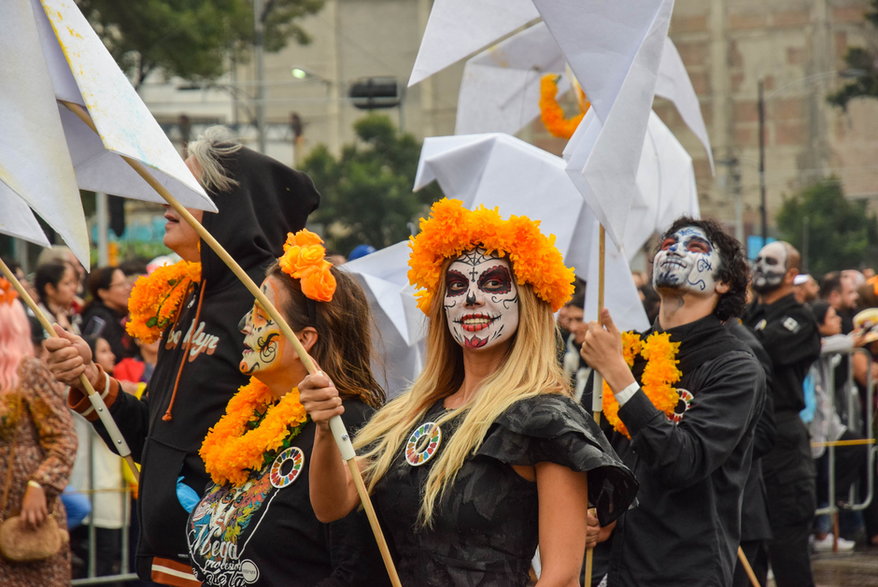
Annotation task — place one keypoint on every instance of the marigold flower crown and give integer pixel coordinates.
(304, 259)
(451, 229)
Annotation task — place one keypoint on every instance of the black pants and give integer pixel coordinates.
(756, 552)
(791, 498)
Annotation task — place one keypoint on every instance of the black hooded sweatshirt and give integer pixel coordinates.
(687, 526)
(165, 430)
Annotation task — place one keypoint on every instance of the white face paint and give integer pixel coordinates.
(481, 300)
(770, 267)
(263, 341)
(686, 260)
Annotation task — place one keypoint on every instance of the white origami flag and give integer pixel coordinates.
(34, 162)
(459, 28)
(500, 90)
(49, 52)
(674, 84)
(615, 50)
(84, 72)
(17, 220)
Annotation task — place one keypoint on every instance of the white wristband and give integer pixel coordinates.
(623, 396)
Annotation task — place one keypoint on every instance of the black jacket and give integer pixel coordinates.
(686, 528)
(253, 220)
(788, 333)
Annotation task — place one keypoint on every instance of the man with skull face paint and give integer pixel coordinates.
(788, 332)
(693, 466)
(487, 454)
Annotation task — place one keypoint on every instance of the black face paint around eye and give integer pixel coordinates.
(488, 312)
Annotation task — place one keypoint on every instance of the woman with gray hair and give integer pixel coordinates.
(193, 307)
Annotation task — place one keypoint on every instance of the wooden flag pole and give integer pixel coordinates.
(337, 426)
(94, 397)
(747, 568)
(598, 386)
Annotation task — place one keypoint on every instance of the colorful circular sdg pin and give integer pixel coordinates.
(296, 458)
(423, 444)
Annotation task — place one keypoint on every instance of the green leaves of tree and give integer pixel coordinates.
(862, 68)
(367, 193)
(831, 231)
(190, 38)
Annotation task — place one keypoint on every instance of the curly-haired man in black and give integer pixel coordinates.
(692, 461)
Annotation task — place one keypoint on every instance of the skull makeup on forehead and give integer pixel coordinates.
(481, 300)
(770, 267)
(686, 260)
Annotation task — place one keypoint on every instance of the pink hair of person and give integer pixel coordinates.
(15, 342)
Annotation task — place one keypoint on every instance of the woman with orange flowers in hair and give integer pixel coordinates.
(487, 454)
(255, 524)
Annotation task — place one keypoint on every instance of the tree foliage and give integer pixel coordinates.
(190, 38)
(831, 231)
(366, 193)
(862, 63)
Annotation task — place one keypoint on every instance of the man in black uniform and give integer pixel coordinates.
(788, 332)
(692, 464)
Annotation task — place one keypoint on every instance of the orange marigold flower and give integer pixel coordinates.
(233, 449)
(552, 114)
(156, 298)
(319, 284)
(304, 259)
(7, 292)
(305, 238)
(658, 378)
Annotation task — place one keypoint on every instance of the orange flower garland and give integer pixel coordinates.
(156, 298)
(551, 112)
(659, 375)
(451, 229)
(304, 259)
(250, 432)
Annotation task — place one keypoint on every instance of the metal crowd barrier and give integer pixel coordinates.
(860, 424)
(124, 494)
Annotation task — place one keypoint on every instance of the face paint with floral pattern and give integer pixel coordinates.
(686, 260)
(263, 340)
(481, 300)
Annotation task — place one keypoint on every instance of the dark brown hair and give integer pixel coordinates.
(344, 344)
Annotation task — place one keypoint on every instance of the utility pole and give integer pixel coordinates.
(258, 53)
(763, 211)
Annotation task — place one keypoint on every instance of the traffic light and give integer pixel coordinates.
(375, 92)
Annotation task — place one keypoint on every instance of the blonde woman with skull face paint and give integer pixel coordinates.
(487, 455)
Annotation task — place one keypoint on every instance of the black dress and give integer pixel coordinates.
(485, 529)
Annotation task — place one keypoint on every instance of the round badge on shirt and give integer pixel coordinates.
(296, 459)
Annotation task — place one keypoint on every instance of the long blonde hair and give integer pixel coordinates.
(530, 368)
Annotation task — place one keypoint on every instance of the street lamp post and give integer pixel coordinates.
(259, 56)
(763, 208)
